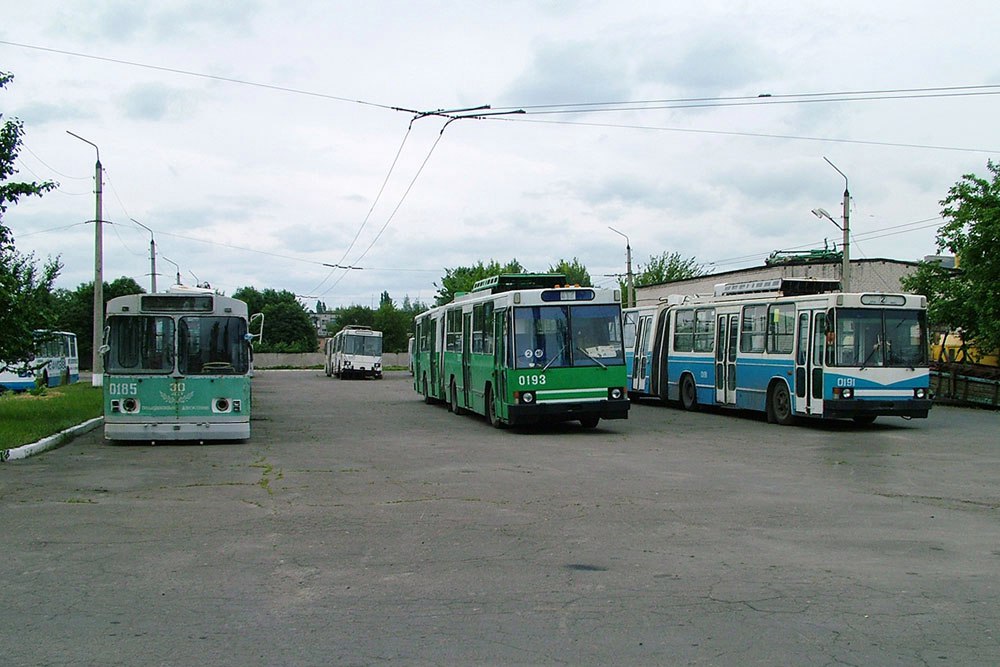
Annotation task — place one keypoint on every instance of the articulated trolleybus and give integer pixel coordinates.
(524, 348)
(177, 367)
(354, 351)
(788, 347)
(56, 362)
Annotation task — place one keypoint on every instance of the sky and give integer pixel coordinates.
(265, 143)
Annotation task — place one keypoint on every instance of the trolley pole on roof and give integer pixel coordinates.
(630, 285)
(97, 379)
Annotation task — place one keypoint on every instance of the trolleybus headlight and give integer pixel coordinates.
(130, 405)
(847, 392)
(920, 393)
(615, 393)
(222, 405)
(528, 397)
(237, 405)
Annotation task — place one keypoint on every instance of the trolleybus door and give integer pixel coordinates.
(640, 371)
(810, 338)
(466, 357)
(727, 335)
(803, 397)
(817, 350)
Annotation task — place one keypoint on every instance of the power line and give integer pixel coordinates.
(755, 135)
(764, 98)
(201, 75)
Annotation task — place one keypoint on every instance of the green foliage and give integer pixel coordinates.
(574, 270)
(24, 288)
(287, 325)
(395, 323)
(966, 299)
(75, 311)
(667, 267)
(462, 278)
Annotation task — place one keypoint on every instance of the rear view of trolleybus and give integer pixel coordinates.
(525, 348)
(177, 367)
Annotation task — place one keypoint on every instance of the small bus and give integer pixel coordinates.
(354, 352)
(525, 348)
(178, 366)
(56, 362)
(790, 348)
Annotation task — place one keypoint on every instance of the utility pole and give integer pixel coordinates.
(630, 284)
(152, 256)
(97, 379)
(845, 273)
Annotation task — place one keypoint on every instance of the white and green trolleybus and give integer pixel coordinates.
(177, 367)
(525, 348)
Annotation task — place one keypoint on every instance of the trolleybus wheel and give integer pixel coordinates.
(781, 404)
(864, 420)
(64, 379)
(453, 403)
(427, 395)
(491, 410)
(689, 394)
(589, 422)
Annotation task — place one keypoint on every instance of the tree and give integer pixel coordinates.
(576, 273)
(462, 278)
(75, 311)
(287, 326)
(24, 289)
(966, 299)
(667, 267)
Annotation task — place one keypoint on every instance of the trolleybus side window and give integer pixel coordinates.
(780, 328)
(704, 332)
(482, 328)
(753, 330)
(453, 332)
(141, 344)
(684, 331)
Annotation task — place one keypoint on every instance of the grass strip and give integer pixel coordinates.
(26, 418)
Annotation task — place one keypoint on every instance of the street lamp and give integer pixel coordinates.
(845, 271)
(97, 379)
(152, 256)
(630, 295)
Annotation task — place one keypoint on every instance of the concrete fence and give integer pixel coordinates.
(314, 359)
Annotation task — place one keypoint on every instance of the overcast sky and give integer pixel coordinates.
(259, 142)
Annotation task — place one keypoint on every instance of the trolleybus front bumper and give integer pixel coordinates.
(846, 409)
(529, 413)
(177, 431)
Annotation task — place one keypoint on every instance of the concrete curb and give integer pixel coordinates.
(50, 442)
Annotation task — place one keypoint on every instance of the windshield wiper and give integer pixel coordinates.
(553, 359)
(592, 358)
(875, 348)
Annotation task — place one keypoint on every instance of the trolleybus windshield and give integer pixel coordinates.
(141, 344)
(369, 346)
(875, 337)
(561, 336)
(208, 345)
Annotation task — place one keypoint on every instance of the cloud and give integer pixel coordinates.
(153, 102)
(572, 72)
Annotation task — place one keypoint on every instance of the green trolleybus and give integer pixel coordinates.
(177, 367)
(525, 348)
